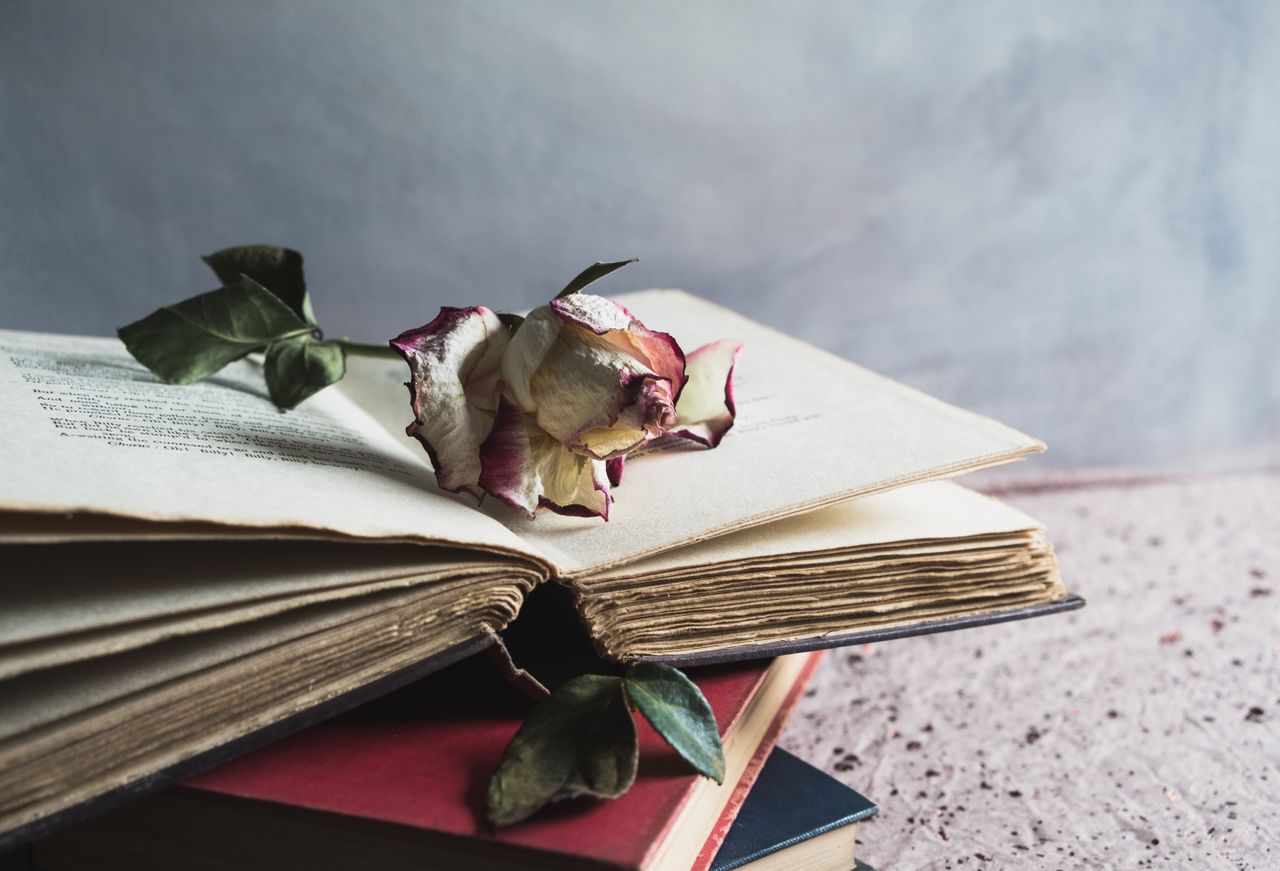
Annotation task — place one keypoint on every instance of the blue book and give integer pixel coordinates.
(794, 812)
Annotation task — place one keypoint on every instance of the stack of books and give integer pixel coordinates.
(192, 576)
(399, 783)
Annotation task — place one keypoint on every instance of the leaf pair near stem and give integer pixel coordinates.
(262, 306)
(581, 739)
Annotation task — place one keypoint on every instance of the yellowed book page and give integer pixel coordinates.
(745, 591)
(78, 600)
(961, 552)
(142, 733)
(87, 429)
(930, 512)
(42, 697)
(98, 584)
(377, 386)
(91, 644)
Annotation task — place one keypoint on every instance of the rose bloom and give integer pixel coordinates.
(544, 417)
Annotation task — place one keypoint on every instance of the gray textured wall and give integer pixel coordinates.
(1066, 215)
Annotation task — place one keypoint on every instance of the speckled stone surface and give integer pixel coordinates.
(1141, 732)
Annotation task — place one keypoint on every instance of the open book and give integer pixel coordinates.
(187, 569)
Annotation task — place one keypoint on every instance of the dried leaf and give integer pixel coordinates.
(298, 367)
(580, 740)
(592, 273)
(196, 337)
(277, 269)
(680, 713)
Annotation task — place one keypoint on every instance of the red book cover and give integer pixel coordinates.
(422, 758)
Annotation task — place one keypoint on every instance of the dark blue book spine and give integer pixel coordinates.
(791, 802)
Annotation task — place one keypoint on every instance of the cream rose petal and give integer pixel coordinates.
(706, 410)
(584, 383)
(650, 414)
(602, 383)
(572, 484)
(660, 352)
(454, 364)
(528, 469)
(526, 351)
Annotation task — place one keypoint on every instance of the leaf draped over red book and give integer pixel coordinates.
(581, 740)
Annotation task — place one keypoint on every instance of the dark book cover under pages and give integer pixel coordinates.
(791, 802)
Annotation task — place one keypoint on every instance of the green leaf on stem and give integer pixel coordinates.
(680, 713)
(594, 272)
(580, 740)
(193, 339)
(298, 367)
(277, 269)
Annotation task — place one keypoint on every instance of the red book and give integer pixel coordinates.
(406, 776)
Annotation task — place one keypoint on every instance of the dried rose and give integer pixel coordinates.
(543, 416)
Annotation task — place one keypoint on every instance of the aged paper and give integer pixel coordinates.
(43, 697)
(937, 513)
(82, 600)
(86, 429)
(145, 721)
(98, 584)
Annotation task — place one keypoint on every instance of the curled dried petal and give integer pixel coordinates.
(528, 469)
(614, 469)
(706, 409)
(525, 353)
(594, 377)
(454, 388)
(650, 412)
(660, 352)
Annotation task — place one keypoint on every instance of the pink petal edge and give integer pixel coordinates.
(613, 468)
(576, 510)
(505, 453)
(644, 391)
(662, 352)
